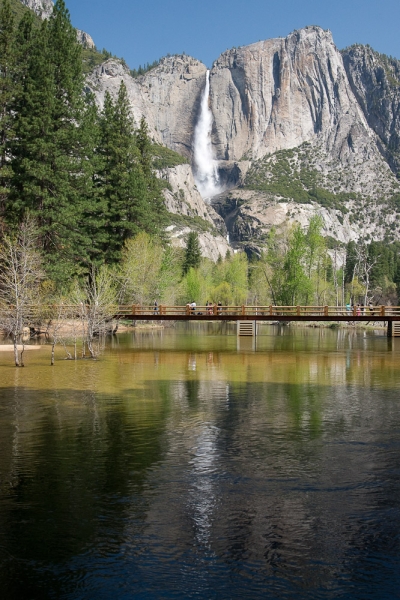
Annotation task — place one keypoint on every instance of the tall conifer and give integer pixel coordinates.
(48, 150)
(122, 179)
(155, 214)
(7, 64)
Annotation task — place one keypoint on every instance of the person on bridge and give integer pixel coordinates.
(155, 307)
(193, 307)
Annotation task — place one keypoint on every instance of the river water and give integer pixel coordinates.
(188, 463)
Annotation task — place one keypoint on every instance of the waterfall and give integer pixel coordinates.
(206, 171)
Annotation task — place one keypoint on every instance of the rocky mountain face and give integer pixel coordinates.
(291, 108)
(277, 94)
(375, 82)
(168, 96)
(85, 39)
(183, 199)
(44, 8)
(299, 128)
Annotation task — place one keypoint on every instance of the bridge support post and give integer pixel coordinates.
(248, 328)
(390, 329)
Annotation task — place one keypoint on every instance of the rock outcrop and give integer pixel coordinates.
(375, 82)
(267, 98)
(183, 199)
(85, 39)
(43, 8)
(168, 96)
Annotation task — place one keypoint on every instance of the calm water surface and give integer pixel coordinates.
(189, 464)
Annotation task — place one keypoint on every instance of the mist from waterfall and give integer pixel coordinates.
(206, 170)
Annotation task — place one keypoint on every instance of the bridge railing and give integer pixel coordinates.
(270, 310)
(147, 311)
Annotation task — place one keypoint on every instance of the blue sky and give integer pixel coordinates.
(143, 31)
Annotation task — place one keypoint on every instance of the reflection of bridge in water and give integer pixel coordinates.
(389, 315)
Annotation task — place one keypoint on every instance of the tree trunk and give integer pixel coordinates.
(16, 357)
(22, 355)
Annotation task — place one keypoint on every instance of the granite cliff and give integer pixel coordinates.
(375, 82)
(44, 8)
(168, 96)
(297, 129)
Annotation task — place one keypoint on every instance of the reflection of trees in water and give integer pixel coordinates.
(72, 468)
(276, 465)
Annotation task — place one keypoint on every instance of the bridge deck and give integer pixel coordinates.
(258, 317)
(259, 313)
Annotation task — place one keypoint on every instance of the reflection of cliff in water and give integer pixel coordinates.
(184, 464)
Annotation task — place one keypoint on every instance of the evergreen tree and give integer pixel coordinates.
(120, 178)
(7, 64)
(130, 190)
(192, 253)
(144, 146)
(351, 262)
(48, 152)
(155, 214)
(92, 202)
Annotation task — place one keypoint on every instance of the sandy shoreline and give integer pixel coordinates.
(10, 347)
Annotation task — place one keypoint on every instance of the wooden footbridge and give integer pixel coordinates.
(389, 315)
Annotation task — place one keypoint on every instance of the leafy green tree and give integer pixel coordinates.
(297, 284)
(317, 261)
(140, 271)
(91, 197)
(193, 285)
(192, 252)
(120, 176)
(233, 271)
(170, 274)
(223, 293)
(351, 262)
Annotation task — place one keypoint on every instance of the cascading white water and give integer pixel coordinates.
(206, 171)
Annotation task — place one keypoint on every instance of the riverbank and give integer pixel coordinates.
(10, 348)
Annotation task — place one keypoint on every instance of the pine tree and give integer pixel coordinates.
(7, 64)
(127, 183)
(48, 151)
(92, 201)
(155, 214)
(120, 175)
(144, 146)
(192, 253)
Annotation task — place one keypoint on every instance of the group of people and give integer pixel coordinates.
(192, 307)
(209, 307)
(360, 310)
